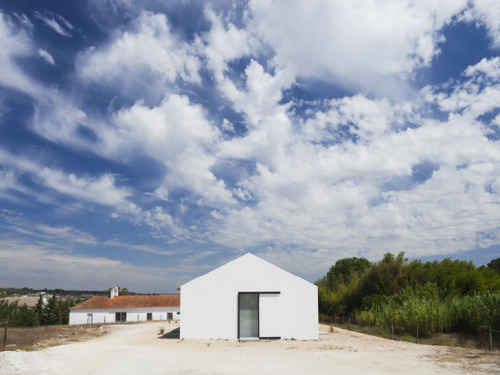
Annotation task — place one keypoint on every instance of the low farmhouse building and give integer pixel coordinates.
(249, 298)
(117, 308)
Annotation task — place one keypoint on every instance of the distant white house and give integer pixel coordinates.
(116, 308)
(249, 298)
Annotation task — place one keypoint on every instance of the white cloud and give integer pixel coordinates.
(57, 117)
(148, 55)
(334, 193)
(488, 67)
(164, 225)
(63, 237)
(101, 190)
(487, 13)
(98, 190)
(49, 20)
(15, 43)
(341, 176)
(7, 179)
(225, 43)
(60, 234)
(176, 134)
(478, 94)
(268, 126)
(353, 43)
(24, 21)
(141, 248)
(46, 56)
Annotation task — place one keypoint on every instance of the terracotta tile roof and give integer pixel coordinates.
(124, 302)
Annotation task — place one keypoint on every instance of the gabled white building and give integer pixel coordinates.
(249, 298)
(116, 308)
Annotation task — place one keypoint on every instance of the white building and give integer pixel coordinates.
(117, 308)
(249, 298)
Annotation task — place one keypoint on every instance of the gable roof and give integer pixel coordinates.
(245, 268)
(123, 302)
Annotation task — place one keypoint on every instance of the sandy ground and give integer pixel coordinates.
(138, 349)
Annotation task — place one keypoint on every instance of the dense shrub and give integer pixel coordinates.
(433, 297)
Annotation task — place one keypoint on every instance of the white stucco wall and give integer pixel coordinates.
(209, 303)
(79, 316)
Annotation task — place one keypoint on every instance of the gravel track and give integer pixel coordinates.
(138, 349)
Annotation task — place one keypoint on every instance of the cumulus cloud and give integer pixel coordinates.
(352, 176)
(353, 43)
(148, 55)
(177, 134)
(486, 13)
(230, 155)
(224, 43)
(476, 95)
(267, 124)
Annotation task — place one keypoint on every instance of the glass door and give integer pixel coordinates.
(248, 315)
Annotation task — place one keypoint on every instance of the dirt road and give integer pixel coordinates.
(138, 349)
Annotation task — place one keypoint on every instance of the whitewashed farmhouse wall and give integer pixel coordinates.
(288, 305)
(133, 315)
(98, 310)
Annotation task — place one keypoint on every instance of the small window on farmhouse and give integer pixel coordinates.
(150, 316)
(90, 318)
(178, 313)
(121, 317)
(170, 316)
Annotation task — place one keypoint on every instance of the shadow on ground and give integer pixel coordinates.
(173, 334)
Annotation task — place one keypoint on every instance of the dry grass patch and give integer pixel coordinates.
(468, 341)
(39, 337)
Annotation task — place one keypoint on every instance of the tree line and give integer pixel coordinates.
(7, 292)
(56, 311)
(419, 298)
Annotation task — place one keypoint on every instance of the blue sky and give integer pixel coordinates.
(145, 143)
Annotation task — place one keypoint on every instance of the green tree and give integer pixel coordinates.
(24, 317)
(50, 315)
(344, 270)
(390, 277)
(495, 265)
(39, 310)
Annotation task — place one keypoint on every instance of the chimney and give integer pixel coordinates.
(112, 292)
(117, 290)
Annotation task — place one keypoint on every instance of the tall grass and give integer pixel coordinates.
(429, 316)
